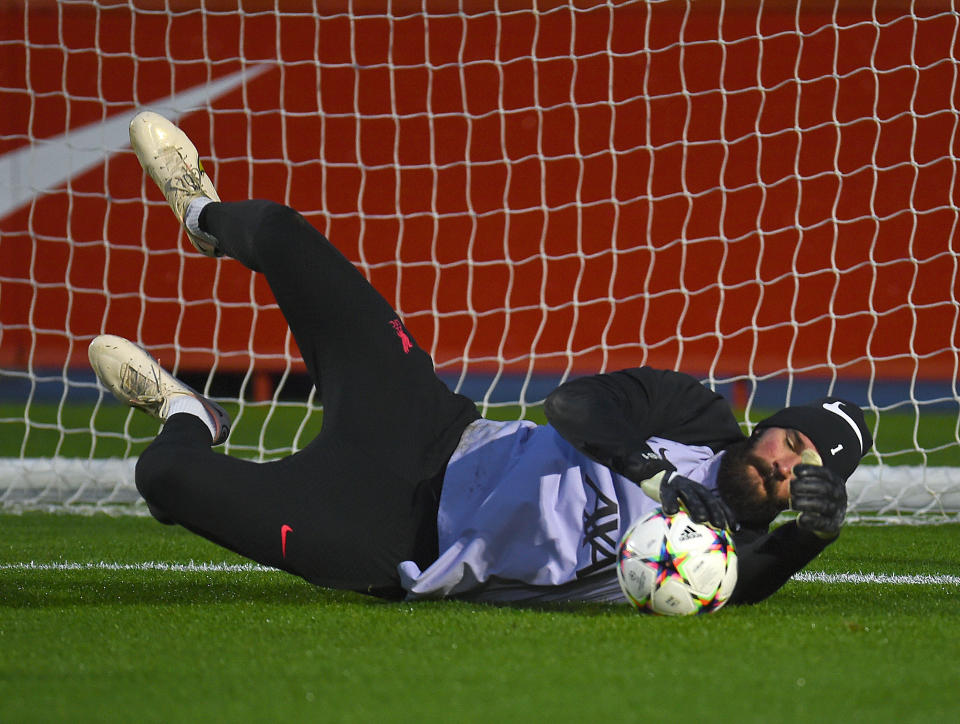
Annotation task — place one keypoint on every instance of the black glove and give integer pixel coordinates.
(820, 496)
(701, 504)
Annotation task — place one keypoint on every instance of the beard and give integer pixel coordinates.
(753, 506)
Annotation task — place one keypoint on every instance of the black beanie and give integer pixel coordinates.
(835, 427)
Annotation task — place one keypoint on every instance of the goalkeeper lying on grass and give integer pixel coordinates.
(407, 492)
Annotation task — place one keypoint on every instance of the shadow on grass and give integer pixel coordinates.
(46, 590)
(52, 589)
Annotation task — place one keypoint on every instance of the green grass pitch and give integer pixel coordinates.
(115, 619)
(90, 632)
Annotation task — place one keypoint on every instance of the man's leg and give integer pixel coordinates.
(363, 495)
(292, 514)
(378, 387)
(331, 513)
(366, 491)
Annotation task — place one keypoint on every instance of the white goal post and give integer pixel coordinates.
(763, 195)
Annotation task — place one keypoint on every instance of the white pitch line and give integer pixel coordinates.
(882, 578)
(190, 567)
(193, 567)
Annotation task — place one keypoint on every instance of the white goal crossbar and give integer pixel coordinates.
(888, 494)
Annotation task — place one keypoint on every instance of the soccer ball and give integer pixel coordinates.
(669, 565)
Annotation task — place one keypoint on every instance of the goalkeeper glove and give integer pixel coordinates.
(820, 496)
(672, 489)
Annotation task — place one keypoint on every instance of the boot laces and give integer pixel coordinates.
(145, 391)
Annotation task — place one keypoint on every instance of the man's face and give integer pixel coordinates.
(754, 477)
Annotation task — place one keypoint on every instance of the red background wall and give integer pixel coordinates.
(599, 186)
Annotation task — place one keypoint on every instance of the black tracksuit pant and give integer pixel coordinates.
(362, 496)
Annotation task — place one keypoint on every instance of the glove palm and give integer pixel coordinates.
(820, 496)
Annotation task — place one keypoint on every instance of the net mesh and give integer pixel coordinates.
(763, 195)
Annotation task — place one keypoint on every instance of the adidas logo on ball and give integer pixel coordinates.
(688, 533)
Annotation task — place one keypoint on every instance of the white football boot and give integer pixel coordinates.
(137, 379)
(172, 161)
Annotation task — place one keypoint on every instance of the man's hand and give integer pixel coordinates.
(820, 496)
(701, 504)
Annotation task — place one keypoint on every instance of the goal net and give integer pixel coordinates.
(763, 195)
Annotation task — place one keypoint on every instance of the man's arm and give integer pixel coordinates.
(766, 561)
(610, 416)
